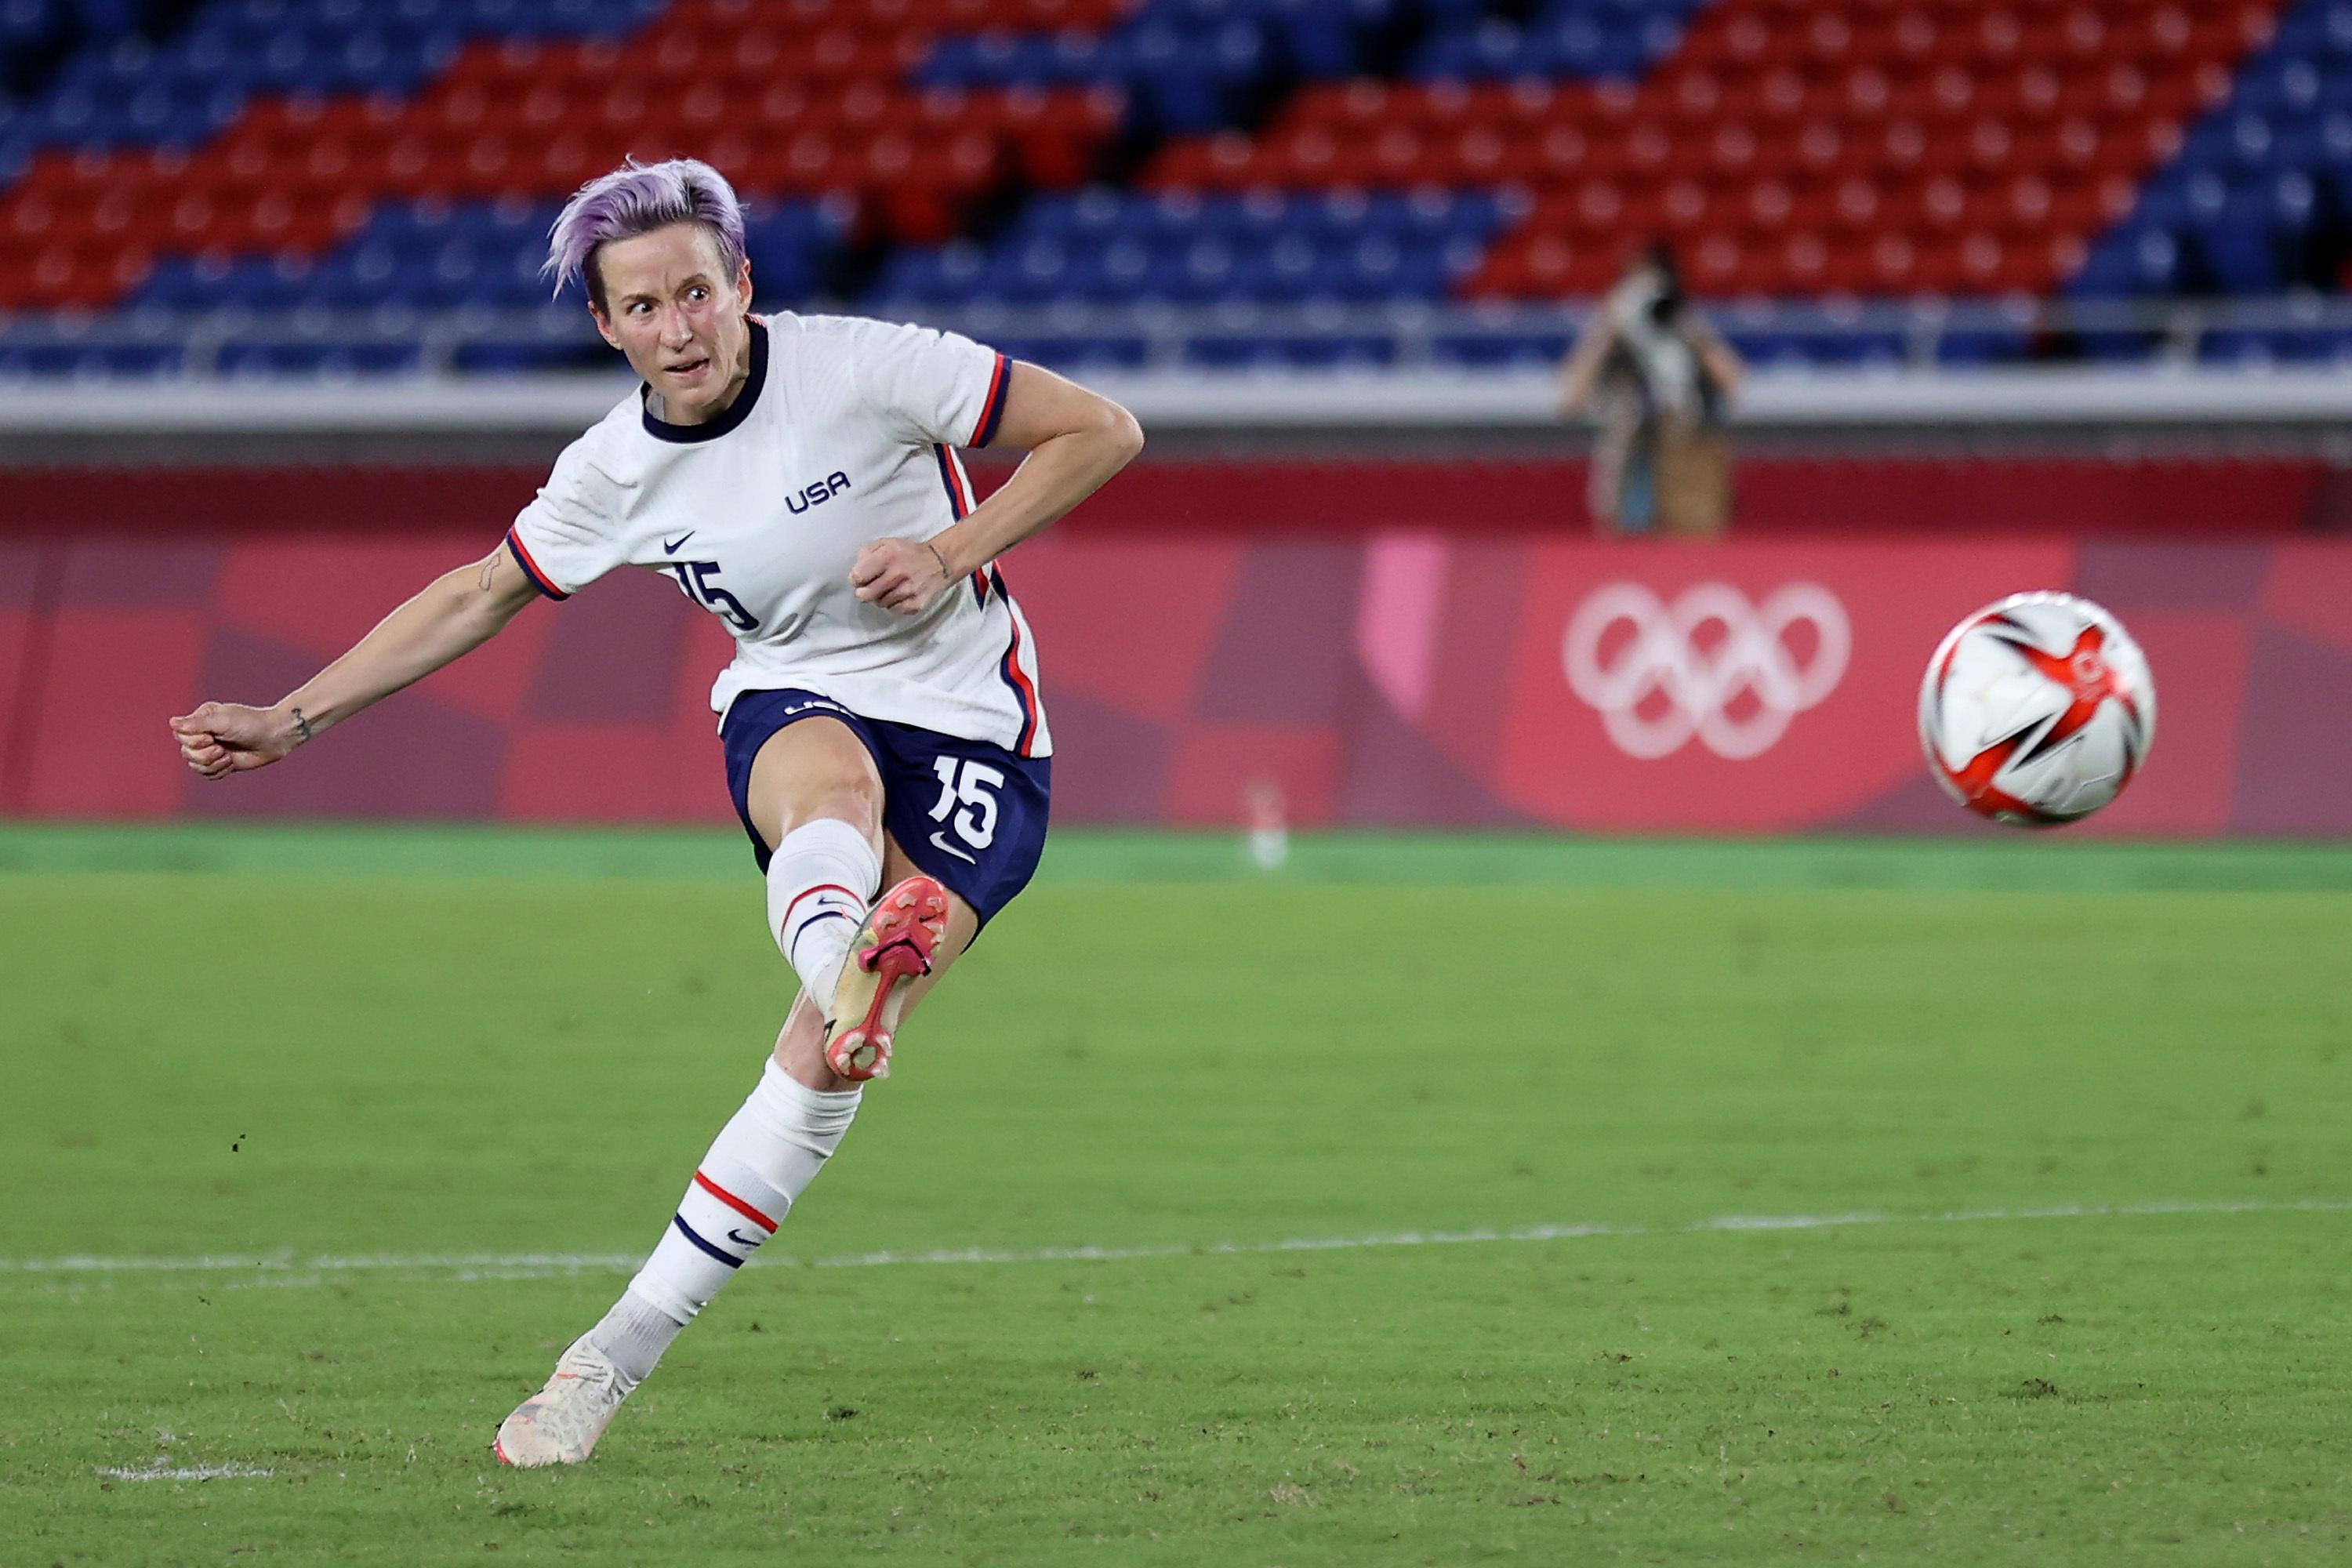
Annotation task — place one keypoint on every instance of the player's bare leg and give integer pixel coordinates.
(773, 1147)
(818, 801)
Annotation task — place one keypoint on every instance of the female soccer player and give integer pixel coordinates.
(880, 719)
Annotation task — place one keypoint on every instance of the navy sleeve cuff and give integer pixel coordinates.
(993, 410)
(538, 579)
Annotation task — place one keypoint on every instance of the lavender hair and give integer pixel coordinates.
(638, 198)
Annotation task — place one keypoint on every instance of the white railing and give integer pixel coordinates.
(1428, 365)
(1401, 334)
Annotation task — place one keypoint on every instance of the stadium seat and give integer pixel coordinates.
(280, 154)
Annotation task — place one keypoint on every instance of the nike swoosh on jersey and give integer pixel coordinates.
(671, 548)
(939, 841)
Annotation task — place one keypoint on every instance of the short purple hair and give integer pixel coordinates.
(638, 198)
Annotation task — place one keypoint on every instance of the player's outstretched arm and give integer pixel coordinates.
(1076, 440)
(456, 613)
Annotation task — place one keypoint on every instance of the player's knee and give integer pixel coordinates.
(813, 771)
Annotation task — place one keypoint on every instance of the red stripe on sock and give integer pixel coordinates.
(733, 1202)
(825, 888)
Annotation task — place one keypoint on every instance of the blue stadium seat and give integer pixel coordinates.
(1187, 65)
(1574, 39)
(513, 358)
(1984, 347)
(1791, 349)
(1500, 351)
(435, 255)
(90, 361)
(2263, 346)
(1078, 352)
(1112, 248)
(329, 360)
(359, 275)
(942, 274)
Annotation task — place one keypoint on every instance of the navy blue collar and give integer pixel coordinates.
(735, 413)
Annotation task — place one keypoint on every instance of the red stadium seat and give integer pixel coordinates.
(1866, 93)
(1937, 270)
(1803, 136)
(1988, 267)
(1805, 259)
(1945, 205)
(2067, 252)
(1765, 212)
(1564, 154)
(1055, 135)
(1183, 165)
(1693, 98)
(1401, 156)
(1918, 38)
(1894, 263)
(1559, 268)
(1855, 207)
(1302, 156)
(1649, 149)
(1596, 208)
(1784, 94)
(1687, 209)
(1476, 156)
(813, 162)
(1720, 264)
(1991, 146)
(87, 273)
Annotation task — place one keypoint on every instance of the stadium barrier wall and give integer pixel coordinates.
(1780, 497)
(1398, 678)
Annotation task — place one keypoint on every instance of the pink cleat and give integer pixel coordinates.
(890, 950)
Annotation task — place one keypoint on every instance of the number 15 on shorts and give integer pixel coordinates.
(967, 802)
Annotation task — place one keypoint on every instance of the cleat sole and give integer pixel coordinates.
(892, 948)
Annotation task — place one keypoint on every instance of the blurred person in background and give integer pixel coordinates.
(1656, 379)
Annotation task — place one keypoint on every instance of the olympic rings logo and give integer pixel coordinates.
(1702, 678)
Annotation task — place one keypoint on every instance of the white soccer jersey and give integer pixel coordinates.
(845, 434)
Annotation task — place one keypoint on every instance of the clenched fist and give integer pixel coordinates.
(222, 738)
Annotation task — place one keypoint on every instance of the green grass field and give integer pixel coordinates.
(1451, 1202)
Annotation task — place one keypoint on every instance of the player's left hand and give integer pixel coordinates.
(900, 575)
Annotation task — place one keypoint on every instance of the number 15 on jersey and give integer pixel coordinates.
(699, 579)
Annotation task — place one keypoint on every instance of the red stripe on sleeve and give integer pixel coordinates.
(538, 579)
(991, 407)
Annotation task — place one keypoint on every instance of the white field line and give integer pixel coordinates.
(163, 1470)
(285, 1268)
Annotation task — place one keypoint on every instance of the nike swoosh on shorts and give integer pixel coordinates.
(939, 841)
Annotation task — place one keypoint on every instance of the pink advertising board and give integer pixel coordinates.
(1400, 677)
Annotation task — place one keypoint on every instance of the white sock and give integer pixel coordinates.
(633, 1336)
(820, 881)
(765, 1157)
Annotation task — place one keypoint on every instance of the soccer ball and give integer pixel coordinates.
(2037, 710)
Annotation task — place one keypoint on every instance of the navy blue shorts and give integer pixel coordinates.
(970, 813)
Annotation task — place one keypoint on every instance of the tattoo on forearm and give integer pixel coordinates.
(302, 725)
(939, 558)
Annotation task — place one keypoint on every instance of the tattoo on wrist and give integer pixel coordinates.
(941, 559)
(302, 725)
